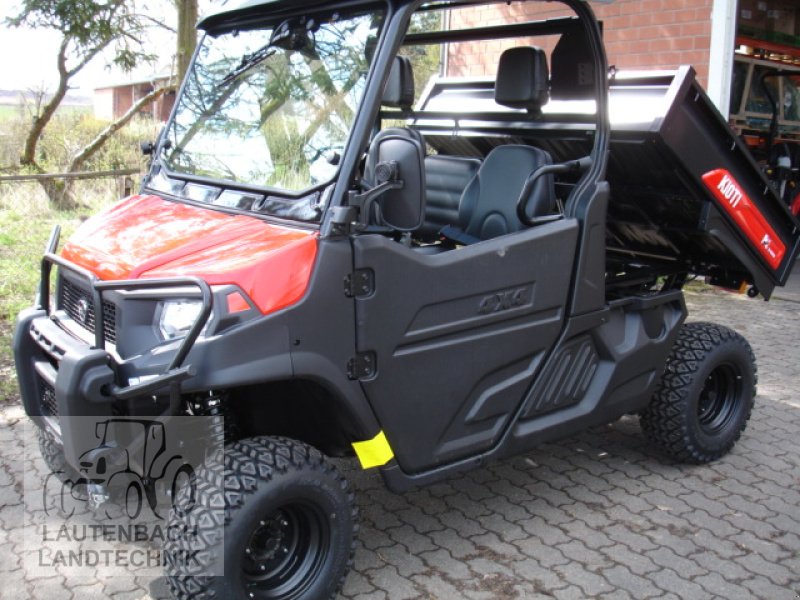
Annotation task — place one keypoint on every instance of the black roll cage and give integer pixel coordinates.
(393, 37)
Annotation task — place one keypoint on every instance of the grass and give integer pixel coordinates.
(25, 225)
(22, 241)
(8, 112)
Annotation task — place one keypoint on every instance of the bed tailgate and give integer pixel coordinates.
(685, 188)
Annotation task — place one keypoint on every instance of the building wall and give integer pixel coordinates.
(103, 104)
(123, 99)
(639, 34)
(113, 102)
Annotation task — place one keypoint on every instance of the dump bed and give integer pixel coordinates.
(685, 188)
(686, 193)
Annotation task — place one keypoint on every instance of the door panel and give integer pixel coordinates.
(458, 336)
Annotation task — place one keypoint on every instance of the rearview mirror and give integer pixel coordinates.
(399, 157)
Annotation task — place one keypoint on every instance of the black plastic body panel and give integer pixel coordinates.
(700, 141)
(312, 340)
(618, 353)
(322, 335)
(459, 336)
(78, 379)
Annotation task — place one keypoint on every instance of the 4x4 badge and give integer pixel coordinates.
(504, 300)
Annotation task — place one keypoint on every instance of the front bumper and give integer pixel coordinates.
(60, 374)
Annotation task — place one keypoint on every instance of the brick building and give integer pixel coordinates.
(113, 101)
(654, 34)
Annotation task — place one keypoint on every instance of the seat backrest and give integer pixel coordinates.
(446, 179)
(399, 91)
(488, 206)
(522, 79)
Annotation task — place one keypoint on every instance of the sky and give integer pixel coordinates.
(29, 56)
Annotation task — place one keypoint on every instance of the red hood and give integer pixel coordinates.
(148, 237)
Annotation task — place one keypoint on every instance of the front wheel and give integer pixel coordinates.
(289, 525)
(53, 455)
(705, 396)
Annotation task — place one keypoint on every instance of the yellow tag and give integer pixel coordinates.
(375, 452)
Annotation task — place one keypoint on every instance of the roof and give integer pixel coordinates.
(252, 10)
(135, 81)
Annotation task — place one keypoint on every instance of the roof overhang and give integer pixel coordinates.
(251, 12)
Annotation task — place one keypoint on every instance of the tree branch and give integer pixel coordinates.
(157, 23)
(89, 56)
(28, 158)
(89, 150)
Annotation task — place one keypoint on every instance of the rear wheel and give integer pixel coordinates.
(705, 396)
(289, 525)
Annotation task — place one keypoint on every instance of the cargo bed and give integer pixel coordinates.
(687, 195)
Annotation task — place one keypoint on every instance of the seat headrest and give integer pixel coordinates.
(399, 91)
(522, 78)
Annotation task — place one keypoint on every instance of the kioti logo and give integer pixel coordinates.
(503, 301)
(83, 311)
(728, 188)
(747, 216)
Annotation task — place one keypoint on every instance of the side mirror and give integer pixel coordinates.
(398, 157)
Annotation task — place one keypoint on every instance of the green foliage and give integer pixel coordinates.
(22, 239)
(67, 133)
(426, 59)
(26, 221)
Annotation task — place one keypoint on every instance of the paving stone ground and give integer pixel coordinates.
(599, 515)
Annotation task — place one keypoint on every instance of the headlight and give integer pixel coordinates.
(177, 317)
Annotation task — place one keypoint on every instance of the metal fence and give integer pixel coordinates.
(123, 176)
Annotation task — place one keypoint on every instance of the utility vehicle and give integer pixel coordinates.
(427, 234)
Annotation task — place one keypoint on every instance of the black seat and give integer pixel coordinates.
(523, 79)
(399, 91)
(488, 205)
(446, 178)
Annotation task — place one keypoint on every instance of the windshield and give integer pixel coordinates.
(272, 108)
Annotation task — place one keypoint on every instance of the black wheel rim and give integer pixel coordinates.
(719, 398)
(286, 551)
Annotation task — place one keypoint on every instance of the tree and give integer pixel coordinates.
(187, 34)
(87, 28)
